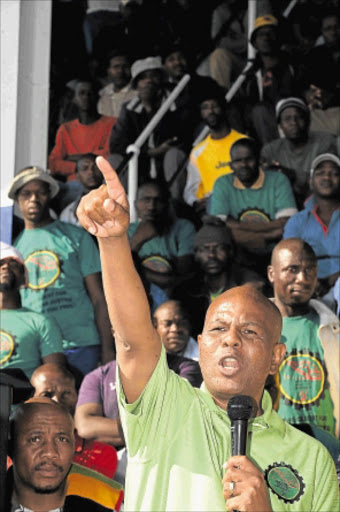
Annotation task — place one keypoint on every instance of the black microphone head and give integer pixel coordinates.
(241, 407)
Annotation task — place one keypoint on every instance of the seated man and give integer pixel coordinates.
(63, 271)
(58, 383)
(309, 373)
(42, 476)
(319, 223)
(210, 158)
(274, 78)
(163, 242)
(165, 149)
(217, 271)
(178, 437)
(89, 176)
(28, 338)
(298, 148)
(97, 415)
(118, 89)
(173, 325)
(255, 204)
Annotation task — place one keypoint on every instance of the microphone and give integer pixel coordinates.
(240, 409)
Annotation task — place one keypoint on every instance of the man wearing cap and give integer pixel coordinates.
(118, 89)
(298, 148)
(163, 152)
(217, 270)
(63, 269)
(28, 339)
(319, 223)
(210, 159)
(273, 80)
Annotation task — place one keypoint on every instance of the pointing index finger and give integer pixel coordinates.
(114, 187)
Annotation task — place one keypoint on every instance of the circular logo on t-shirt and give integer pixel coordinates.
(302, 378)
(254, 215)
(157, 264)
(7, 345)
(285, 482)
(43, 269)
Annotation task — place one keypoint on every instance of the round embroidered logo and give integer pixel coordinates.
(302, 378)
(254, 215)
(43, 269)
(7, 345)
(285, 482)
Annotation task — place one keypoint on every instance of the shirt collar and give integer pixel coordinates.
(258, 183)
(258, 423)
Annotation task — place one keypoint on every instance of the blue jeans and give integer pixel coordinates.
(85, 359)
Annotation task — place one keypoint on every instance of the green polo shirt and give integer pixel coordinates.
(178, 440)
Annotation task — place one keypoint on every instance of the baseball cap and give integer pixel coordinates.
(141, 65)
(290, 102)
(323, 158)
(263, 21)
(8, 251)
(29, 174)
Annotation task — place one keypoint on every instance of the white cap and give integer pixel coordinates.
(8, 251)
(323, 158)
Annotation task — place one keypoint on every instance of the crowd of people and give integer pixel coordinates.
(233, 263)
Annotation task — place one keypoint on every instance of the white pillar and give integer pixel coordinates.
(25, 77)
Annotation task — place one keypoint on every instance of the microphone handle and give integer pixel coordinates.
(239, 431)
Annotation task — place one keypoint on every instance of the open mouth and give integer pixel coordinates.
(229, 366)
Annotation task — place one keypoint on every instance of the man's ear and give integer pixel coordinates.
(279, 351)
(270, 273)
(311, 183)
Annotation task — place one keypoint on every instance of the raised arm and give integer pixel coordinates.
(104, 212)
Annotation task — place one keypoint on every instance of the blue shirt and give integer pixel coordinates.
(325, 240)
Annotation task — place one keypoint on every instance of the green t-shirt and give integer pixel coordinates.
(273, 199)
(58, 257)
(159, 252)
(27, 337)
(178, 440)
(305, 396)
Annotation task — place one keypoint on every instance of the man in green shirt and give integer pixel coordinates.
(27, 338)
(178, 437)
(63, 270)
(309, 373)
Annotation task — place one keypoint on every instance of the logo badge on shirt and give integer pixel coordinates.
(7, 346)
(43, 269)
(285, 482)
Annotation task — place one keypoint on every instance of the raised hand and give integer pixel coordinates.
(104, 212)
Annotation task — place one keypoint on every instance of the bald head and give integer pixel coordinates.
(173, 326)
(57, 383)
(293, 245)
(36, 406)
(293, 274)
(240, 344)
(249, 295)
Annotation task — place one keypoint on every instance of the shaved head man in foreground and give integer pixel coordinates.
(178, 437)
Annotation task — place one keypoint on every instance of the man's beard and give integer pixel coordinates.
(48, 490)
(8, 286)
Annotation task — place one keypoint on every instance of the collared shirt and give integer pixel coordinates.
(270, 197)
(178, 440)
(16, 507)
(325, 240)
(255, 186)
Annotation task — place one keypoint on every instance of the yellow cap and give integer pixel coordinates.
(263, 21)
